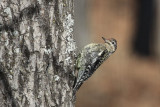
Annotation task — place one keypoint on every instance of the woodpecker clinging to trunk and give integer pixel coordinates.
(90, 58)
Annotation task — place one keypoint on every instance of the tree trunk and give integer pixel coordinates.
(37, 53)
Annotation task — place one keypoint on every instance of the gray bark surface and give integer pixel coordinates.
(37, 53)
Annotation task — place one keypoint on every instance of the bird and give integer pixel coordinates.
(90, 58)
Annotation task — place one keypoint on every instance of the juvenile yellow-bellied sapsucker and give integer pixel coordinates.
(90, 58)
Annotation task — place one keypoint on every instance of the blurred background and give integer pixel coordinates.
(131, 76)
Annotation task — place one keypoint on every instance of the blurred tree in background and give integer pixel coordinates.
(129, 78)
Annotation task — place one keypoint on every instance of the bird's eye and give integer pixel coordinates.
(113, 43)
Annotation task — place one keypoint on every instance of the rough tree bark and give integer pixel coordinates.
(37, 53)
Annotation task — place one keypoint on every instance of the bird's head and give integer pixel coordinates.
(111, 44)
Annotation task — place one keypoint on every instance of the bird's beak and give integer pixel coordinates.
(105, 40)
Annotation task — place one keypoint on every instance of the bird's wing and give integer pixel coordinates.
(91, 61)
